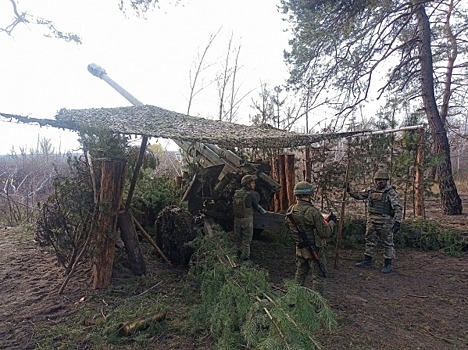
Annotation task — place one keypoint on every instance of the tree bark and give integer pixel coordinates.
(419, 178)
(132, 245)
(290, 174)
(110, 196)
(450, 200)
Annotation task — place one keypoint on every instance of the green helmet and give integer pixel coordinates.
(303, 188)
(381, 175)
(247, 179)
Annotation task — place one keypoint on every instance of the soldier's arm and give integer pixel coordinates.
(359, 195)
(396, 206)
(255, 202)
(324, 228)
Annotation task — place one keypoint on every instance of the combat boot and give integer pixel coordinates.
(367, 262)
(387, 266)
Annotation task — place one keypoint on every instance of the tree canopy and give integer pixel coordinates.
(351, 50)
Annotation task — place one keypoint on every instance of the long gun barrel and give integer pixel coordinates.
(100, 72)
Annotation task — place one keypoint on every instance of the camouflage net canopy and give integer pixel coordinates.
(158, 122)
(154, 121)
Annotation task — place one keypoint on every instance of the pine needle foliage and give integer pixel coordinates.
(240, 308)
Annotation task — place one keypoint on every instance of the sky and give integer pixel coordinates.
(149, 58)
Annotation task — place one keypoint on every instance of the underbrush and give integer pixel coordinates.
(239, 307)
(419, 233)
(429, 235)
(127, 315)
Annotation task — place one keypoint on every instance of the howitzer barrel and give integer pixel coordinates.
(100, 72)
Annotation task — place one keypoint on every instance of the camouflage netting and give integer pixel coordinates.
(175, 227)
(154, 121)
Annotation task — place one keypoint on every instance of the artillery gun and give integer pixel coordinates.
(216, 177)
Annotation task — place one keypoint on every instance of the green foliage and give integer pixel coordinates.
(429, 235)
(240, 309)
(153, 194)
(67, 215)
(419, 233)
(352, 233)
(100, 142)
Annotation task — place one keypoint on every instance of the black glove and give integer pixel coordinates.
(304, 244)
(396, 227)
(332, 217)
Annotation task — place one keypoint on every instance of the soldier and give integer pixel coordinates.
(384, 217)
(245, 201)
(309, 220)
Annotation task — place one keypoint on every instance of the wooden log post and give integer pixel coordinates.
(132, 245)
(110, 196)
(290, 175)
(276, 176)
(308, 165)
(419, 210)
(283, 199)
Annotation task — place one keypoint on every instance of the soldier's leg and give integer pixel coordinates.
(386, 236)
(371, 239)
(238, 235)
(302, 269)
(246, 240)
(318, 279)
(371, 243)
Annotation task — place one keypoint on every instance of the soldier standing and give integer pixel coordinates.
(245, 201)
(309, 220)
(384, 215)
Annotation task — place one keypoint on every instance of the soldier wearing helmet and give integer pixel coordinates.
(317, 229)
(245, 201)
(384, 215)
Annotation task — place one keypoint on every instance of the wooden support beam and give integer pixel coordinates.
(110, 196)
(419, 209)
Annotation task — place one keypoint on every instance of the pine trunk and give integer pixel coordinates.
(450, 200)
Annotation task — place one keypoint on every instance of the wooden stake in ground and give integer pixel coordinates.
(152, 242)
(342, 214)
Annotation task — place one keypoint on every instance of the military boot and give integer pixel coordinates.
(387, 266)
(367, 262)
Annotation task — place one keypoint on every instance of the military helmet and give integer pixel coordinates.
(381, 175)
(303, 188)
(247, 179)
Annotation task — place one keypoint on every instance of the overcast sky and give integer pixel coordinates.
(150, 58)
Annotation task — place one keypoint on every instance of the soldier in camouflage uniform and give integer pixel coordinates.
(384, 215)
(245, 201)
(317, 229)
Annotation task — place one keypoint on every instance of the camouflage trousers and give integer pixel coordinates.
(305, 263)
(243, 228)
(382, 232)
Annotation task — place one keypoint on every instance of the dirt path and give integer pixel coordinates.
(29, 281)
(422, 304)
